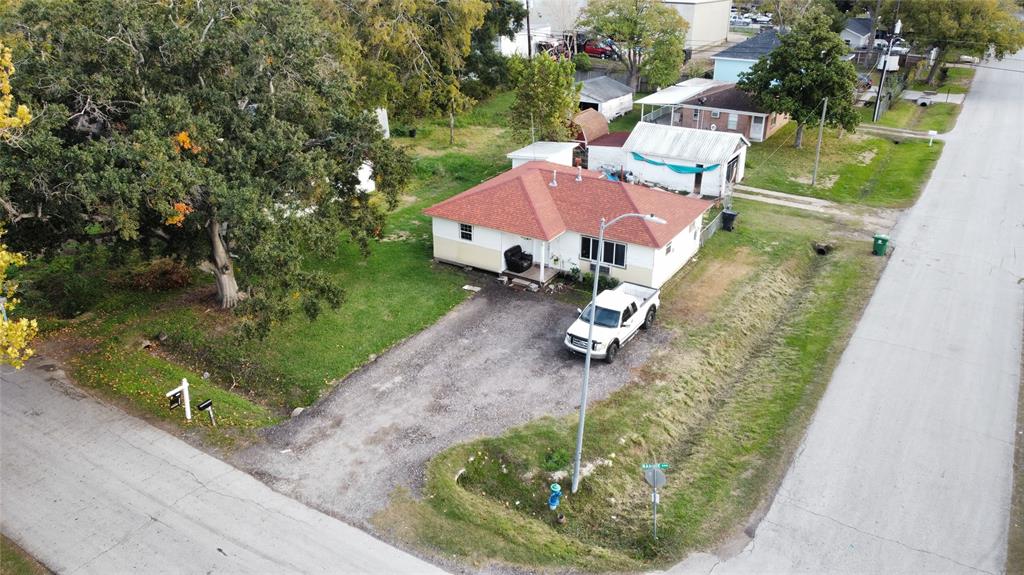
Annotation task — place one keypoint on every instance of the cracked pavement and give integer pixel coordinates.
(907, 465)
(89, 489)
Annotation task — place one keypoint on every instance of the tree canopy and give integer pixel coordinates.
(976, 27)
(801, 72)
(649, 36)
(12, 118)
(546, 97)
(219, 131)
(15, 334)
(487, 69)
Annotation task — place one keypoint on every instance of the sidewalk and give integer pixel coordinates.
(869, 219)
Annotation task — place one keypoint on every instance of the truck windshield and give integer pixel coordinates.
(605, 317)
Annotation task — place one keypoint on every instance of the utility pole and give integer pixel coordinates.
(817, 153)
(885, 66)
(529, 33)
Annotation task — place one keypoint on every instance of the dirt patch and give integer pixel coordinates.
(823, 182)
(866, 156)
(709, 287)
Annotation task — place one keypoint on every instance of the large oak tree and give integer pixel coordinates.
(224, 131)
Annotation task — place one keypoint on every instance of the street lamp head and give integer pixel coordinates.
(654, 219)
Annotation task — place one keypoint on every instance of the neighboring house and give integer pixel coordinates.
(606, 95)
(708, 19)
(735, 60)
(554, 152)
(664, 103)
(685, 159)
(589, 125)
(544, 210)
(857, 34)
(365, 173)
(726, 108)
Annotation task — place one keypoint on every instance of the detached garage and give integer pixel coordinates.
(609, 97)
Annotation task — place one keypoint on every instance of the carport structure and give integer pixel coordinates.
(665, 102)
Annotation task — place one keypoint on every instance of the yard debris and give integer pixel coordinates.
(471, 288)
(297, 411)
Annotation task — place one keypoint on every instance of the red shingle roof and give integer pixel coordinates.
(522, 202)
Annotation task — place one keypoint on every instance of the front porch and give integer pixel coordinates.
(533, 275)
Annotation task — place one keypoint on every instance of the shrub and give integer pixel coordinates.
(603, 282)
(161, 274)
(68, 284)
(582, 61)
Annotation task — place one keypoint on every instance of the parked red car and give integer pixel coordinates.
(598, 49)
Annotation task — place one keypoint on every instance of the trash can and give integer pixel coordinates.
(728, 219)
(881, 243)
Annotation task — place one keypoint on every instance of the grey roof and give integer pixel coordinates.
(753, 48)
(697, 146)
(859, 26)
(602, 89)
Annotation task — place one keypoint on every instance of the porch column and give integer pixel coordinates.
(672, 116)
(543, 258)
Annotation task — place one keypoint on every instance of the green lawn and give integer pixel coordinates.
(626, 122)
(855, 168)
(15, 561)
(724, 403)
(905, 114)
(958, 81)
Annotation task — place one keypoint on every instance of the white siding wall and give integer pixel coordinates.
(483, 252)
(598, 156)
(563, 157)
(854, 40)
(684, 246)
(712, 182)
(614, 108)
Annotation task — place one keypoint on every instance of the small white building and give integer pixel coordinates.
(554, 152)
(708, 19)
(704, 162)
(857, 33)
(605, 153)
(552, 214)
(606, 95)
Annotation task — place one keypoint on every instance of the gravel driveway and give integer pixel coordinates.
(493, 362)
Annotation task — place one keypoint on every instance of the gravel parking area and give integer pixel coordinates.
(493, 362)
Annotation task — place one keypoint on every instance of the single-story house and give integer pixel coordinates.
(857, 33)
(553, 213)
(589, 125)
(554, 152)
(663, 103)
(606, 95)
(726, 108)
(734, 60)
(708, 19)
(703, 162)
(606, 151)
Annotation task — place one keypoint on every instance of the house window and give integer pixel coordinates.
(696, 115)
(733, 118)
(466, 232)
(668, 248)
(772, 122)
(614, 252)
(715, 114)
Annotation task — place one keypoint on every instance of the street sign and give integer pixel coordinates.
(174, 401)
(655, 477)
(653, 465)
(205, 405)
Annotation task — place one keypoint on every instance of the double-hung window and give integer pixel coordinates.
(733, 118)
(614, 252)
(466, 232)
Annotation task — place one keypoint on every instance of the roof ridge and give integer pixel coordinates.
(628, 189)
(533, 206)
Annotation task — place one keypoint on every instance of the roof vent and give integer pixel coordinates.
(579, 173)
(554, 179)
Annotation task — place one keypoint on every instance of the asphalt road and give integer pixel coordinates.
(495, 361)
(88, 489)
(907, 464)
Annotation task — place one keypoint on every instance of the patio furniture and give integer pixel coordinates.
(517, 260)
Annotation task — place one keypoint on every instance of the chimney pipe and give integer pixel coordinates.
(554, 179)
(579, 173)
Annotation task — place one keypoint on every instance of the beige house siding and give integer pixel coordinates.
(467, 254)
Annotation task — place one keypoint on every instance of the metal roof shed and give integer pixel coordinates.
(606, 95)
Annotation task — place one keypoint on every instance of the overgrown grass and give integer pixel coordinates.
(15, 561)
(905, 114)
(855, 168)
(958, 81)
(724, 404)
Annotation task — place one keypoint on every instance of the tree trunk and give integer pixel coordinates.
(227, 287)
(799, 136)
(451, 124)
(934, 72)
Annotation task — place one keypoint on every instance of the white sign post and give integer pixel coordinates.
(931, 136)
(183, 390)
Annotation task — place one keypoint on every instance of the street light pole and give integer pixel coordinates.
(590, 338)
(885, 66)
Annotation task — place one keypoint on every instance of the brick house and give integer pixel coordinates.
(729, 109)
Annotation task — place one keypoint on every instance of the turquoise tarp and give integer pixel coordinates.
(675, 168)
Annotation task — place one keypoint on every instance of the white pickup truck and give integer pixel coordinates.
(621, 312)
